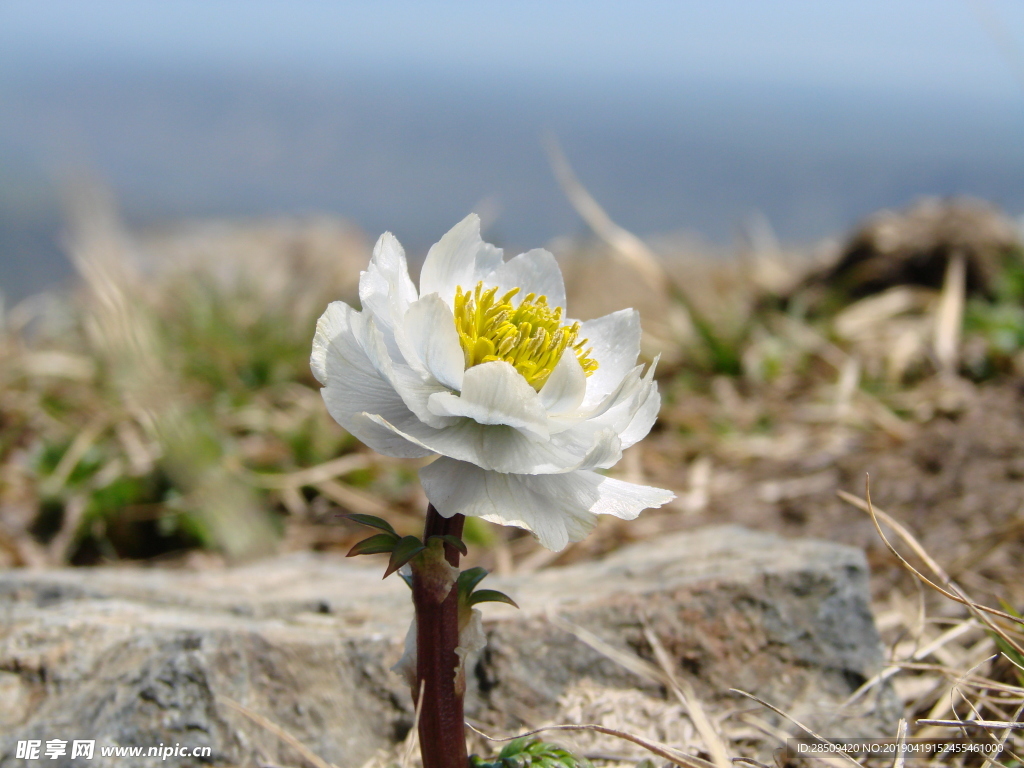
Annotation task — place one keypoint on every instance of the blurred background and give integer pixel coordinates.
(404, 116)
(817, 207)
(185, 185)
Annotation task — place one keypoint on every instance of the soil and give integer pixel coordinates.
(957, 484)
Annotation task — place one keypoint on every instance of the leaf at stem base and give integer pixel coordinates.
(490, 596)
(404, 551)
(372, 522)
(375, 545)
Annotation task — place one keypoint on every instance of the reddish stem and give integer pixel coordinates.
(442, 725)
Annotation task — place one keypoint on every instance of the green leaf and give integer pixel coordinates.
(468, 580)
(455, 541)
(404, 551)
(515, 746)
(375, 545)
(372, 522)
(1010, 609)
(491, 596)
(533, 754)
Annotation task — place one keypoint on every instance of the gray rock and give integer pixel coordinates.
(143, 657)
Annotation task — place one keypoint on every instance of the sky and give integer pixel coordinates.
(953, 46)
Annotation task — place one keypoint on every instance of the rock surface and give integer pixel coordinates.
(150, 657)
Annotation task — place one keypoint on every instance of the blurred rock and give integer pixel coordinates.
(146, 657)
(912, 247)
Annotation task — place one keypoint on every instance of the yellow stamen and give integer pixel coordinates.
(530, 336)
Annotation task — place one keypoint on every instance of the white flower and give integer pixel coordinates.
(480, 367)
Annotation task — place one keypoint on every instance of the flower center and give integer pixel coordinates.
(530, 336)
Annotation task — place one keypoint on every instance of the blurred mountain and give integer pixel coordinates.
(414, 152)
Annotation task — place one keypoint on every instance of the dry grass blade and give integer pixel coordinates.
(877, 514)
(63, 365)
(1006, 726)
(884, 417)
(669, 315)
(352, 499)
(79, 447)
(988, 724)
(309, 755)
(661, 750)
(662, 675)
(1005, 737)
(412, 739)
(60, 545)
(950, 315)
(968, 679)
(942, 640)
(903, 533)
(954, 593)
(843, 755)
(980, 612)
(977, 610)
(688, 698)
(313, 475)
(941, 705)
(1014, 663)
(901, 739)
(643, 669)
(622, 241)
(764, 727)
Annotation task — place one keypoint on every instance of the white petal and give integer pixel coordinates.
(385, 289)
(353, 384)
(536, 272)
(620, 409)
(624, 500)
(615, 341)
(413, 387)
(606, 452)
(626, 390)
(459, 488)
(566, 386)
(460, 258)
(416, 388)
(495, 393)
(331, 323)
(505, 449)
(643, 419)
(557, 508)
(429, 341)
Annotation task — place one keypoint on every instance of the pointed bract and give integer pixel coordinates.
(468, 580)
(404, 551)
(371, 521)
(375, 545)
(491, 596)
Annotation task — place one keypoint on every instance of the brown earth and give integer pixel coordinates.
(955, 482)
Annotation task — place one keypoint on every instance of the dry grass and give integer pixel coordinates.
(165, 412)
